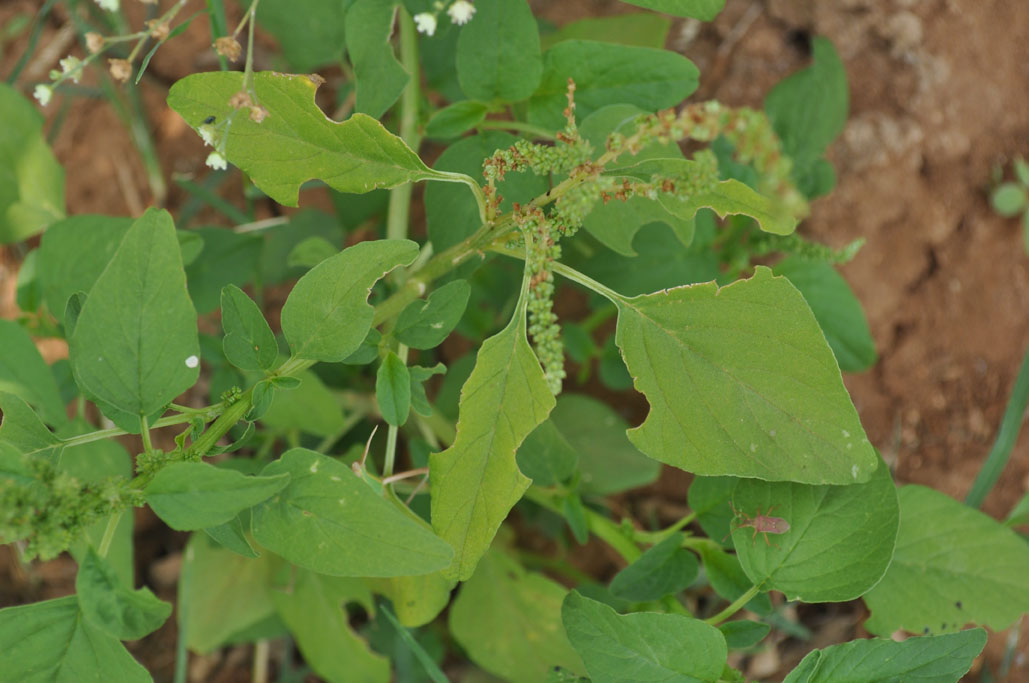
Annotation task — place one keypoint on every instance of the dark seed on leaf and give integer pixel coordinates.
(209, 120)
(958, 604)
(926, 630)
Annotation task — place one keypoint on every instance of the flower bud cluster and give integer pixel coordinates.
(544, 328)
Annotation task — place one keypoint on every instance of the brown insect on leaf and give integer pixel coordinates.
(761, 523)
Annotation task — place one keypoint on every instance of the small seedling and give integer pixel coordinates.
(761, 523)
(1012, 198)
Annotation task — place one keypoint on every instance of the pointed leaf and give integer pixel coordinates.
(498, 52)
(329, 521)
(196, 495)
(476, 481)
(114, 608)
(741, 382)
(742, 634)
(327, 315)
(642, 646)
(249, 343)
(232, 537)
(135, 344)
(664, 569)
(297, 142)
(425, 324)
(24, 372)
(393, 390)
(455, 119)
(379, 77)
(24, 431)
(953, 565)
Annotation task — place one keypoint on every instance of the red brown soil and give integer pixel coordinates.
(939, 95)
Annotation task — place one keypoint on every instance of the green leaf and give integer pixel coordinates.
(327, 315)
(417, 600)
(231, 536)
(314, 608)
(545, 456)
(329, 521)
(111, 606)
(498, 53)
(953, 565)
(72, 312)
(249, 343)
(705, 10)
(393, 390)
(425, 324)
(22, 429)
(664, 569)
(73, 253)
(605, 73)
(297, 142)
(641, 30)
(476, 481)
(741, 382)
(455, 119)
(311, 252)
(50, 641)
(379, 77)
(643, 646)
(509, 621)
(708, 498)
(1009, 199)
(229, 593)
(840, 540)
(836, 309)
(31, 179)
(1019, 515)
(615, 224)
(135, 343)
(608, 461)
(196, 495)
(27, 293)
(228, 258)
(24, 372)
(728, 580)
(311, 33)
(934, 659)
(310, 408)
(419, 375)
(280, 240)
(367, 351)
(739, 635)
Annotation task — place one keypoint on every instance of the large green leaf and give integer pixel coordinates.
(741, 382)
(327, 315)
(135, 344)
(113, 607)
(310, 32)
(642, 646)
(840, 541)
(705, 10)
(929, 659)
(836, 309)
(509, 621)
(196, 495)
(605, 73)
(314, 608)
(329, 521)
(297, 142)
(498, 53)
(31, 180)
(24, 372)
(379, 77)
(50, 642)
(476, 481)
(953, 566)
(249, 343)
(22, 429)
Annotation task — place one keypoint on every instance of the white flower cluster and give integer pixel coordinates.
(109, 5)
(459, 11)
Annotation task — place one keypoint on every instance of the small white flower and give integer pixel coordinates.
(192, 362)
(109, 5)
(216, 161)
(43, 94)
(72, 65)
(207, 133)
(461, 12)
(426, 23)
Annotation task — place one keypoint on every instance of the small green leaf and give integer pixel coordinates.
(228, 258)
(379, 77)
(311, 252)
(367, 351)
(50, 641)
(741, 382)
(297, 142)
(249, 343)
(953, 565)
(836, 309)
(509, 621)
(455, 119)
(728, 580)
(705, 10)
(642, 645)
(196, 495)
(936, 659)
(708, 498)
(840, 540)
(545, 456)
(329, 521)
(739, 635)
(22, 429)
(327, 315)
(476, 481)
(231, 536)
(641, 29)
(393, 390)
(114, 608)
(419, 375)
(314, 608)
(31, 179)
(24, 372)
(135, 344)
(1009, 199)
(1019, 515)
(498, 53)
(425, 324)
(605, 73)
(664, 569)
(310, 408)
(416, 599)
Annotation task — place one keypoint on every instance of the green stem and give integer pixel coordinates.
(220, 427)
(570, 273)
(656, 537)
(112, 526)
(602, 527)
(391, 433)
(735, 607)
(144, 433)
(520, 126)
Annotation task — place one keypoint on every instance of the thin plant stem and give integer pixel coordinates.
(602, 527)
(112, 526)
(144, 433)
(735, 606)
